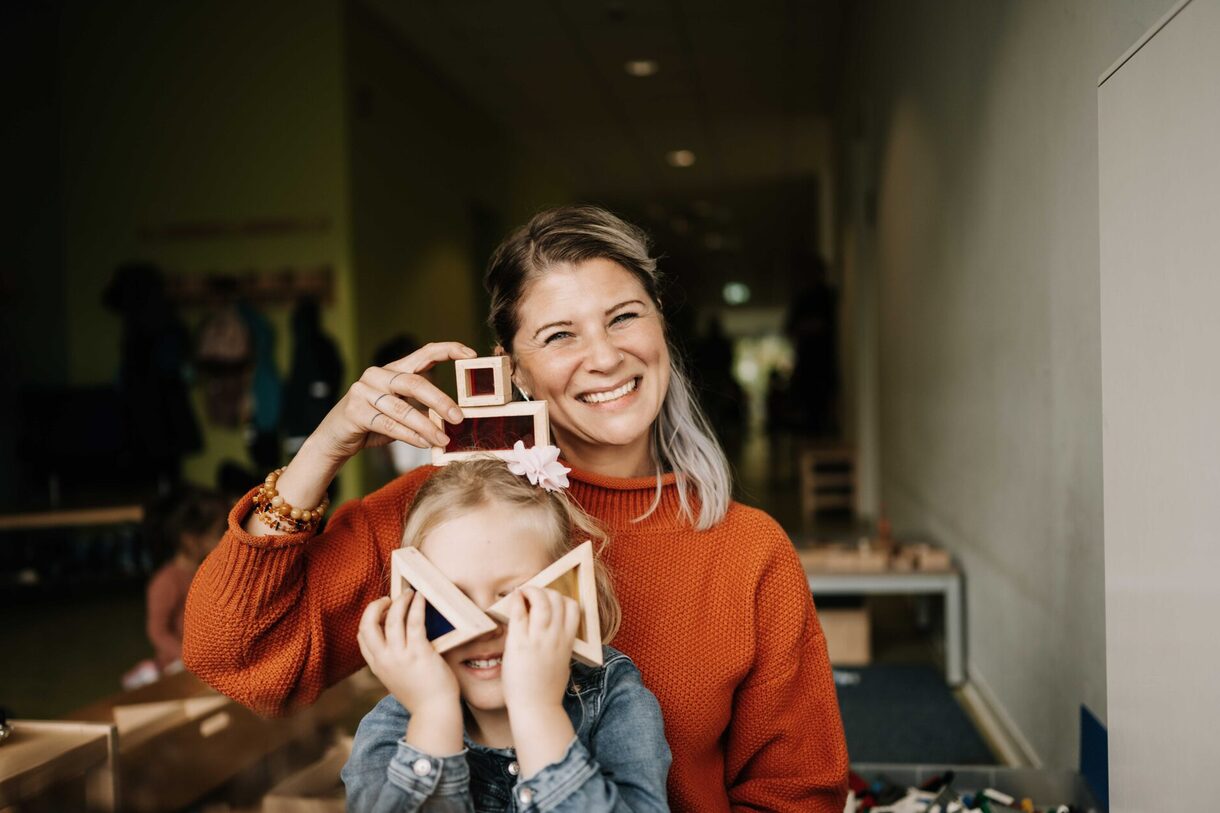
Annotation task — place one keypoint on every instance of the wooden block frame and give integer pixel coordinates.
(587, 650)
(500, 367)
(409, 566)
(537, 409)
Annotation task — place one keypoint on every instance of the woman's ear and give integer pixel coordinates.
(515, 376)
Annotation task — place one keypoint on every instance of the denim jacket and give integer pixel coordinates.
(619, 760)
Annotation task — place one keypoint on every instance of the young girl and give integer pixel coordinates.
(191, 529)
(505, 721)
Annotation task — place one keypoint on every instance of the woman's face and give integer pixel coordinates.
(591, 343)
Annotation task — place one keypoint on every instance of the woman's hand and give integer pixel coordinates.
(542, 627)
(375, 410)
(401, 656)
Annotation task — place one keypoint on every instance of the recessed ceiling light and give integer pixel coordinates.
(642, 67)
(736, 293)
(680, 158)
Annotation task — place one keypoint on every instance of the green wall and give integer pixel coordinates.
(223, 112)
(230, 112)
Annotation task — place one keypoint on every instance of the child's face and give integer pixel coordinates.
(487, 552)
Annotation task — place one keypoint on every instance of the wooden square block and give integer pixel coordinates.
(572, 576)
(454, 619)
(492, 431)
(484, 381)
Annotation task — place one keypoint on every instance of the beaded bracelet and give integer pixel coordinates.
(278, 515)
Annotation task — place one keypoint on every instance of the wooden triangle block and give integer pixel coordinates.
(572, 576)
(453, 619)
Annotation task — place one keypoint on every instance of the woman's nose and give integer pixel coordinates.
(603, 354)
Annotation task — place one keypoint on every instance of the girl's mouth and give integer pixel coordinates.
(484, 668)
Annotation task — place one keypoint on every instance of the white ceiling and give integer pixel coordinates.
(745, 86)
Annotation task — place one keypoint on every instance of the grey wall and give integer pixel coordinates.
(979, 121)
(1160, 251)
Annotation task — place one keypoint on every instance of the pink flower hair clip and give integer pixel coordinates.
(540, 464)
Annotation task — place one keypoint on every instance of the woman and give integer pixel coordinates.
(716, 611)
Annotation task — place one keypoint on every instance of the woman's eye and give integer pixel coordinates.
(623, 317)
(563, 334)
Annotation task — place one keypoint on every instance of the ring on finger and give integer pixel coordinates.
(390, 386)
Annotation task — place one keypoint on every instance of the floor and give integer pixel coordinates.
(899, 708)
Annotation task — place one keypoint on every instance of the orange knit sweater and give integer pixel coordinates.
(720, 623)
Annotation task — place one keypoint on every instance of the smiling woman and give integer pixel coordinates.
(716, 612)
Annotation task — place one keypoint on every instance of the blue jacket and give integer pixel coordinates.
(618, 762)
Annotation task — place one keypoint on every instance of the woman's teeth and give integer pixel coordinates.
(476, 663)
(603, 397)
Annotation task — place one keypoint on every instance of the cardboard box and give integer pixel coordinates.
(848, 632)
(315, 788)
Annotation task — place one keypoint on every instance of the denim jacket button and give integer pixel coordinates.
(526, 795)
(421, 767)
(514, 768)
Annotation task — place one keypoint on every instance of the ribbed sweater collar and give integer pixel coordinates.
(616, 501)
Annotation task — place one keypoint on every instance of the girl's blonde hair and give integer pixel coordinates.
(562, 525)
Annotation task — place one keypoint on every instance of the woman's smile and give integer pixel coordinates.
(612, 397)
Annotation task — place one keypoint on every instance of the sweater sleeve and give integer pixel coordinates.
(271, 620)
(785, 749)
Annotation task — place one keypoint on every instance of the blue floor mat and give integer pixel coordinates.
(899, 713)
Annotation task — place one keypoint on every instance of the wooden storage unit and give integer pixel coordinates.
(178, 740)
(57, 766)
(315, 788)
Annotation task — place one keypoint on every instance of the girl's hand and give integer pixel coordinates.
(542, 626)
(375, 410)
(402, 658)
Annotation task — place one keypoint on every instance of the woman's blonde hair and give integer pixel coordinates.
(682, 438)
(461, 486)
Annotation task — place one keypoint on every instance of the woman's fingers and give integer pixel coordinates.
(431, 354)
(402, 377)
(388, 414)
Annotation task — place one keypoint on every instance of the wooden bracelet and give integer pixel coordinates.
(278, 514)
